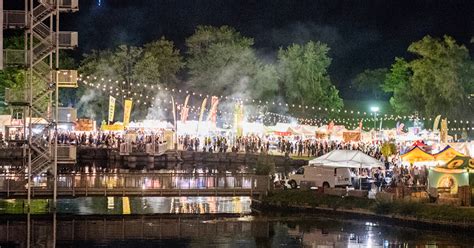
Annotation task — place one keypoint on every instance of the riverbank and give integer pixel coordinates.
(399, 212)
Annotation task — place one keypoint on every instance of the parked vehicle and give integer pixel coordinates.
(321, 176)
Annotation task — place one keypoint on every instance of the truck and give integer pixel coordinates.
(321, 176)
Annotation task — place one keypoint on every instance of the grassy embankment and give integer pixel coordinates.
(433, 212)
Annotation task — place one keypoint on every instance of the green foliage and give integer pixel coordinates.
(9, 78)
(388, 149)
(118, 66)
(156, 64)
(221, 61)
(311, 198)
(15, 80)
(160, 63)
(14, 42)
(397, 82)
(438, 81)
(99, 64)
(370, 82)
(265, 165)
(265, 86)
(411, 209)
(425, 211)
(303, 70)
(383, 207)
(443, 74)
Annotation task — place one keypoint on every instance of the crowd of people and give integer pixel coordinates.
(91, 139)
(268, 144)
(393, 168)
(248, 144)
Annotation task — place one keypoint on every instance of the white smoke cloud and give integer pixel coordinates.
(88, 96)
(161, 107)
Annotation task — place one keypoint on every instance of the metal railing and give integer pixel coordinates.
(68, 40)
(66, 152)
(150, 148)
(14, 57)
(66, 114)
(16, 96)
(151, 184)
(64, 5)
(14, 19)
(67, 78)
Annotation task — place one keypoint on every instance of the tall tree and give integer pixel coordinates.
(398, 83)
(10, 78)
(132, 71)
(305, 81)
(369, 82)
(220, 59)
(265, 82)
(116, 66)
(159, 64)
(443, 74)
(437, 81)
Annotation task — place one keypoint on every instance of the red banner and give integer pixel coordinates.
(283, 133)
(214, 102)
(184, 114)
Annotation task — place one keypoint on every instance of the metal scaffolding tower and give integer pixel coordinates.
(39, 95)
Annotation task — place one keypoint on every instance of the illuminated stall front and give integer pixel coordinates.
(457, 172)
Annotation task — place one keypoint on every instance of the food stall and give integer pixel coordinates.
(456, 174)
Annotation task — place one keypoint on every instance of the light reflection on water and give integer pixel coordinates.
(133, 205)
(209, 231)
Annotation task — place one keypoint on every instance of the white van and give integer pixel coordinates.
(321, 176)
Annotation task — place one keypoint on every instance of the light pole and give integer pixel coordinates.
(375, 110)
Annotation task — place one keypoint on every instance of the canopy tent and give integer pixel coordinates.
(309, 130)
(294, 130)
(419, 143)
(280, 129)
(447, 154)
(252, 128)
(302, 130)
(347, 159)
(416, 154)
(150, 125)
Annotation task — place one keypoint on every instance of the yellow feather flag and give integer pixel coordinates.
(127, 110)
(436, 122)
(111, 109)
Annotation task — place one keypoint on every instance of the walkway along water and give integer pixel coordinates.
(137, 184)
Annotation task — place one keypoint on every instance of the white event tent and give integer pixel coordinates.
(347, 159)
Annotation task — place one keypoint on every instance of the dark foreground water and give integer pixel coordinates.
(198, 222)
(208, 231)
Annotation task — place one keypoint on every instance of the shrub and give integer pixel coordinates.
(265, 165)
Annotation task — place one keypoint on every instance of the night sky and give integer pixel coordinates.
(361, 33)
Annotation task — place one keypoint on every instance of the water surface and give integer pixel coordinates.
(131, 205)
(205, 231)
